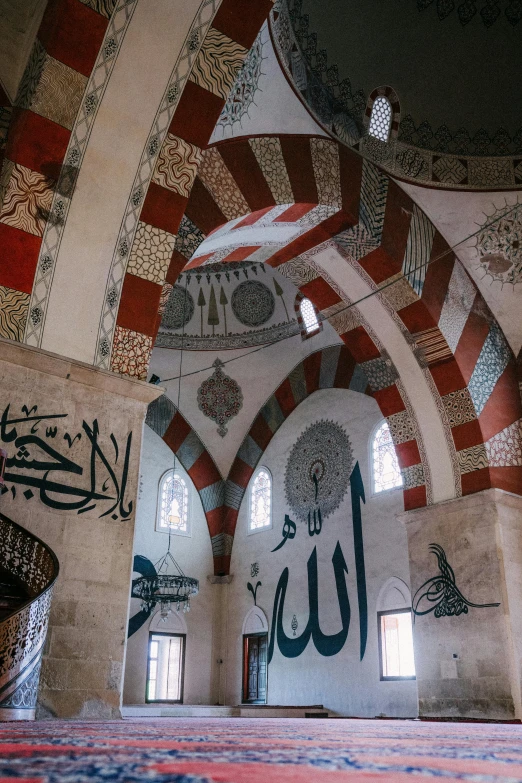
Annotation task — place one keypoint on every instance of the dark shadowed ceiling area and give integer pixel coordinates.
(446, 72)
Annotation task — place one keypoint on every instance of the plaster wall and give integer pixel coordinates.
(257, 371)
(468, 665)
(275, 107)
(83, 656)
(194, 555)
(341, 683)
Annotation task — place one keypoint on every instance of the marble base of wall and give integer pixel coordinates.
(468, 657)
(72, 481)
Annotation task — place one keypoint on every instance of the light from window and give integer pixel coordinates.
(309, 316)
(261, 501)
(165, 671)
(173, 512)
(397, 644)
(381, 117)
(386, 471)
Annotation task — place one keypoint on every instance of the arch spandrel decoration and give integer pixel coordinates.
(394, 594)
(255, 621)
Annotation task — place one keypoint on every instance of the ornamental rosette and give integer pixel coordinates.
(220, 398)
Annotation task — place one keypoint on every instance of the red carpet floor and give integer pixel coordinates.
(227, 750)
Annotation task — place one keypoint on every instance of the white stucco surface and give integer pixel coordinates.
(342, 682)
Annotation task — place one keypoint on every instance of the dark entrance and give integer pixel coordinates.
(255, 648)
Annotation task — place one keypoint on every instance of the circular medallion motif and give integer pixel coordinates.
(323, 451)
(499, 245)
(253, 303)
(179, 308)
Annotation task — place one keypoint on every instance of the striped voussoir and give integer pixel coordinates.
(443, 317)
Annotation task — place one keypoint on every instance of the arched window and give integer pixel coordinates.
(260, 516)
(173, 504)
(395, 631)
(385, 468)
(309, 316)
(380, 118)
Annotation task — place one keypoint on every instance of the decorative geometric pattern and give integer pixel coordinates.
(402, 427)
(59, 92)
(119, 21)
(374, 191)
(177, 165)
(451, 171)
(131, 352)
(164, 115)
(356, 241)
(269, 156)
(459, 407)
(221, 185)
(380, 372)
(325, 161)
(316, 215)
(412, 476)
(492, 362)
(27, 199)
(318, 470)
(430, 346)
(342, 318)
(499, 246)
(253, 303)
(489, 13)
(104, 7)
(242, 94)
(189, 238)
(418, 249)
(400, 294)
(14, 306)
(220, 398)
(473, 458)
(217, 64)
(483, 173)
(179, 308)
(298, 271)
(412, 163)
(151, 253)
(505, 448)
(457, 305)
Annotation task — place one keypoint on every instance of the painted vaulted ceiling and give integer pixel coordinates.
(153, 143)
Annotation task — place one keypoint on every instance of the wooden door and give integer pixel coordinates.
(255, 649)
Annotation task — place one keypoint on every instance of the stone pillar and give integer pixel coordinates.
(468, 664)
(73, 436)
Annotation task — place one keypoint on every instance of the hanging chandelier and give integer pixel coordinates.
(166, 589)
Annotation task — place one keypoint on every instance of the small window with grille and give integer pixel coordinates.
(260, 516)
(381, 118)
(173, 504)
(309, 316)
(386, 473)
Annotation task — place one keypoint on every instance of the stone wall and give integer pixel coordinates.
(74, 434)
(468, 663)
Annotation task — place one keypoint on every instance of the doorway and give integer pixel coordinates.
(255, 649)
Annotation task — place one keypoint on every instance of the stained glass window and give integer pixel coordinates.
(173, 504)
(261, 501)
(381, 117)
(309, 316)
(386, 471)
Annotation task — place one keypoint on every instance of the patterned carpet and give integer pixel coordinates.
(228, 750)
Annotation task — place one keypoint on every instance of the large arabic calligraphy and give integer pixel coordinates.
(62, 482)
(440, 593)
(325, 644)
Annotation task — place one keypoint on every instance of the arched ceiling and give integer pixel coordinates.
(447, 73)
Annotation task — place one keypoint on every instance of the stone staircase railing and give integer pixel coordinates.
(33, 566)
